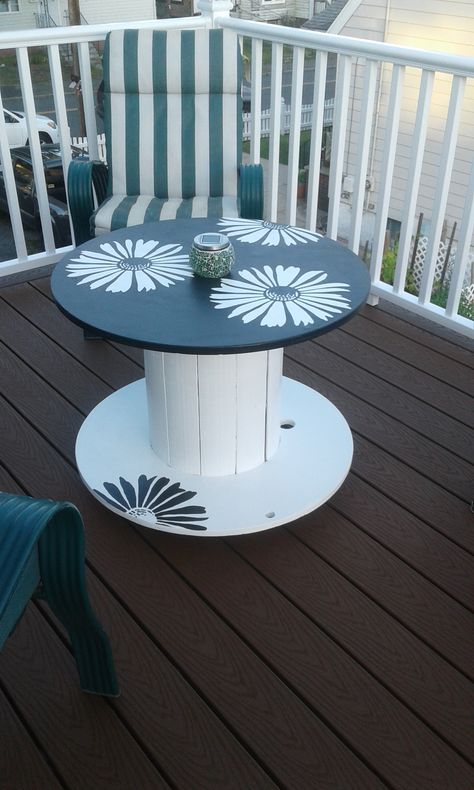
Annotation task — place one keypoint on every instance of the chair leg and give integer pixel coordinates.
(61, 552)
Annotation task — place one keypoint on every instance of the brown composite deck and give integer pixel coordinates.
(336, 652)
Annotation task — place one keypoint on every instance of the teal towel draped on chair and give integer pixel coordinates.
(42, 555)
(173, 129)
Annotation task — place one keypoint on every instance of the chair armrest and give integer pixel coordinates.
(86, 188)
(251, 191)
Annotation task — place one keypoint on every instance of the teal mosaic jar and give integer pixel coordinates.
(211, 255)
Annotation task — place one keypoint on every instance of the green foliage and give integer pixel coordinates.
(38, 57)
(439, 295)
(305, 137)
(389, 262)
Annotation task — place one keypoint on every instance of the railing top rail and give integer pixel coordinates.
(405, 56)
(11, 39)
(394, 53)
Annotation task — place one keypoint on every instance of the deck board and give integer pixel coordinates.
(335, 652)
(401, 374)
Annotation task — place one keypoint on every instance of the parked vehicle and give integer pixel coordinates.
(17, 131)
(27, 194)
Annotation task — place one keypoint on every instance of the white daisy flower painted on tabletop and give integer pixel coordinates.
(119, 265)
(276, 295)
(252, 231)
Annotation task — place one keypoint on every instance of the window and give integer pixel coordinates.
(7, 6)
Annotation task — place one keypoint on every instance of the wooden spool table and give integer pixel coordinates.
(214, 440)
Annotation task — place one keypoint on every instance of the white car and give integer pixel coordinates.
(17, 131)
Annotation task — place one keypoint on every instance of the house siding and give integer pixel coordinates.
(303, 9)
(436, 25)
(97, 12)
(368, 21)
(18, 20)
(270, 12)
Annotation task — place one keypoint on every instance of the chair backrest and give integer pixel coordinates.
(173, 112)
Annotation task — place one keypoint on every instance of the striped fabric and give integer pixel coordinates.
(173, 125)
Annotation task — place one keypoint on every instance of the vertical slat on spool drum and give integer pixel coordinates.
(214, 415)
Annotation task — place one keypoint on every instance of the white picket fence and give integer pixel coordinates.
(81, 142)
(306, 119)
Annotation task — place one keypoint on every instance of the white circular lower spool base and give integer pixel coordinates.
(312, 461)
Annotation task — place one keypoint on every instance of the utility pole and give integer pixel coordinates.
(74, 9)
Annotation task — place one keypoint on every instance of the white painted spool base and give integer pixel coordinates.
(309, 466)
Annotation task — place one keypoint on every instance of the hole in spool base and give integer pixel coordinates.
(287, 424)
(270, 514)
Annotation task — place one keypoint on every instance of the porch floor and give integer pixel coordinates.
(335, 652)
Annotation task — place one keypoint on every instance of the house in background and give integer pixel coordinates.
(298, 11)
(16, 15)
(27, 14)
(443, 26)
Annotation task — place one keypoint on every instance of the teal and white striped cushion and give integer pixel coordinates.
(120, 211)
(173, 112)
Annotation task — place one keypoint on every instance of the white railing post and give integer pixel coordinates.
(442, 187)
(295, 130)
(317, 121)
(462, 252)
(256, 101)
(367, 110)
(387, 165)
(343, 79)
(275, 131)
(416, 161)
(214, 10)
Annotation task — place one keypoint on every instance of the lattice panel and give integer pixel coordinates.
(417, 271)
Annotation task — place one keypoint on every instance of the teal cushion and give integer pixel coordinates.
(120, 211)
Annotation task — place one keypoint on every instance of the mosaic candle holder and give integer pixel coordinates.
(211, 255)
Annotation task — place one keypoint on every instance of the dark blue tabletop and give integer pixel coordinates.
(136, 285)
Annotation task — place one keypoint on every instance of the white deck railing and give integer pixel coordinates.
(398, 147)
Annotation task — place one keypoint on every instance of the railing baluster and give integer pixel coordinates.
(88, 99)
(10, 189)
(413, 183)
(275, 123)
(338, 142)
(320, 67)
(35, 149)
(367, 111)
(256, 101)
(295, 132)
(442, 188)
(464, 242)
(60, 104)
(386, 169)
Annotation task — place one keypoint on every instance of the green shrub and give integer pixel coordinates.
(439, 295)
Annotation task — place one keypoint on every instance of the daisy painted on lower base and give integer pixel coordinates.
(277, 295)
(155, 502)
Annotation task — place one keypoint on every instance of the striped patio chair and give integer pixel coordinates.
(173, 128)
